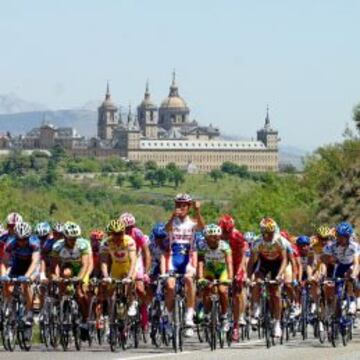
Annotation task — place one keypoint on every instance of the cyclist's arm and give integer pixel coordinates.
(194, 259)
(147, 258)
(85, 260)
(355, 270)
(132, 258)
(284, 260)
(299, 269)
(229, 266)
(91, 266)
(169, 226)
(104, 258)
(253, 259)
(201, 269)
(34, 263)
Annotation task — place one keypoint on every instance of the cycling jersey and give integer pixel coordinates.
(71, 258)
(21, 256)
(271, 250)
(46, 252)
(119, 254)
(156, 250)
(5, 237)
(343, 254)
(181, 244)
(317, 246)
(215, 261)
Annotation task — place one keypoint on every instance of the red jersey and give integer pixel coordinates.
(239, 247)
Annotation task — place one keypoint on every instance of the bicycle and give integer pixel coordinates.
(341, 322)
(14, 326)
(70, 317)
(96, 322)
(159, 322)
(214, 329)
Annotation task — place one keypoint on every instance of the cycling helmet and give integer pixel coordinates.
(72, 230)
(97, 235)
(285, 234)
(115, 226)
(323, 231)
(344, 229)
(58, 227)
(250, 237)
(227, 223)
(268, 225)
(183, 198)
(158, 231)
(128, 219)
(303, 240)
(212, 229)
(42, 229)
(22, 230)
(13, 218)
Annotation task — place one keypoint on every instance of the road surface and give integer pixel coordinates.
(251, 350)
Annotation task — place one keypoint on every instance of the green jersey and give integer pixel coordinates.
(71, 257)
(215, 259)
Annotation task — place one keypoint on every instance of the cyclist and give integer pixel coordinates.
(119, 250)
(215, 263)
(344, 253)
(72, 259)
(96, 237)
(143, 264)
(58, 231)
(2, 252)
(240, 256)
(24, 252)
(272, 255)
(181, 257)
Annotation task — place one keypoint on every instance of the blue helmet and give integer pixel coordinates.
(43, 229)
(344, 229)
(158, 231)
(303, 240)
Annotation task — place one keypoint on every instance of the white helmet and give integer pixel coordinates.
(22, 230)
(128, 219)
(212, 229)
(72, 230)
(13, 218)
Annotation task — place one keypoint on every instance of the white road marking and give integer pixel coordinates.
(156, 355)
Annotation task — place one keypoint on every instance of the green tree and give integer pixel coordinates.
(58, 153)
(161, 176)
(151, 165)
(356, 116)
(216, 174)
(150, 176)
(177, 177)
(120, 180)
(136, 180)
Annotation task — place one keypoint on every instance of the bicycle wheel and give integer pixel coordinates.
(54, 324)
(10, 326)
(334, 333)
(25, 337)
(213, 324)
(65, 323)
(44, 325)
(91, 322)
(114, 337)
(181, 324)
(175, 326)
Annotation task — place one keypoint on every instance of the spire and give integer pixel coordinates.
(147, 92)
(174, 91)
(107, 96)
(267, 118)
(129, 116)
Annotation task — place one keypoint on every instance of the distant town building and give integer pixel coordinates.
(164, 134)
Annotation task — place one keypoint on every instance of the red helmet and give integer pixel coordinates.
(227, 223)
(285, 234)
(97, 235)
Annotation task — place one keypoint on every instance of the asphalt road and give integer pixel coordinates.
(295, 349)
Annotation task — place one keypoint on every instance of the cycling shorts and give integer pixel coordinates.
(180, 264)
(266, 266)
(19, 268)
(341, 269)
(211, 275)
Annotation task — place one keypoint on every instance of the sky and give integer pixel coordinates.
(232, 58)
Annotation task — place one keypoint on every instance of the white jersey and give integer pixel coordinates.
(182, 236)
(343, 254)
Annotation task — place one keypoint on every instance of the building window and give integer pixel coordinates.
(151, 116)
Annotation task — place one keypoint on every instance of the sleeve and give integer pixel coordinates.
(328, 250)
(141, 239)
(131, 244)
(226, 248)
(104, 248)
(9, 247)
(56, 249)
(35, 244)
(85, 248)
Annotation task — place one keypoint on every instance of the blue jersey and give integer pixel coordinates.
(343, 254)
(22, 254)
(46, 251)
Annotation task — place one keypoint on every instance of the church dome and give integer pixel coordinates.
(174, 100)
(107, 103)
(147, 102)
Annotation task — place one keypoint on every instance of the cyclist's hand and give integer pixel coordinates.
(278, 278)
(226, 282)
(4, 278)
(107, 279)
(203, 282)
(23, 279)
(43, 277)
(295, 283)
(75, 279)
(146, 279)
(128, 280)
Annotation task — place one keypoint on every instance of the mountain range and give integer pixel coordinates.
(18, 116)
